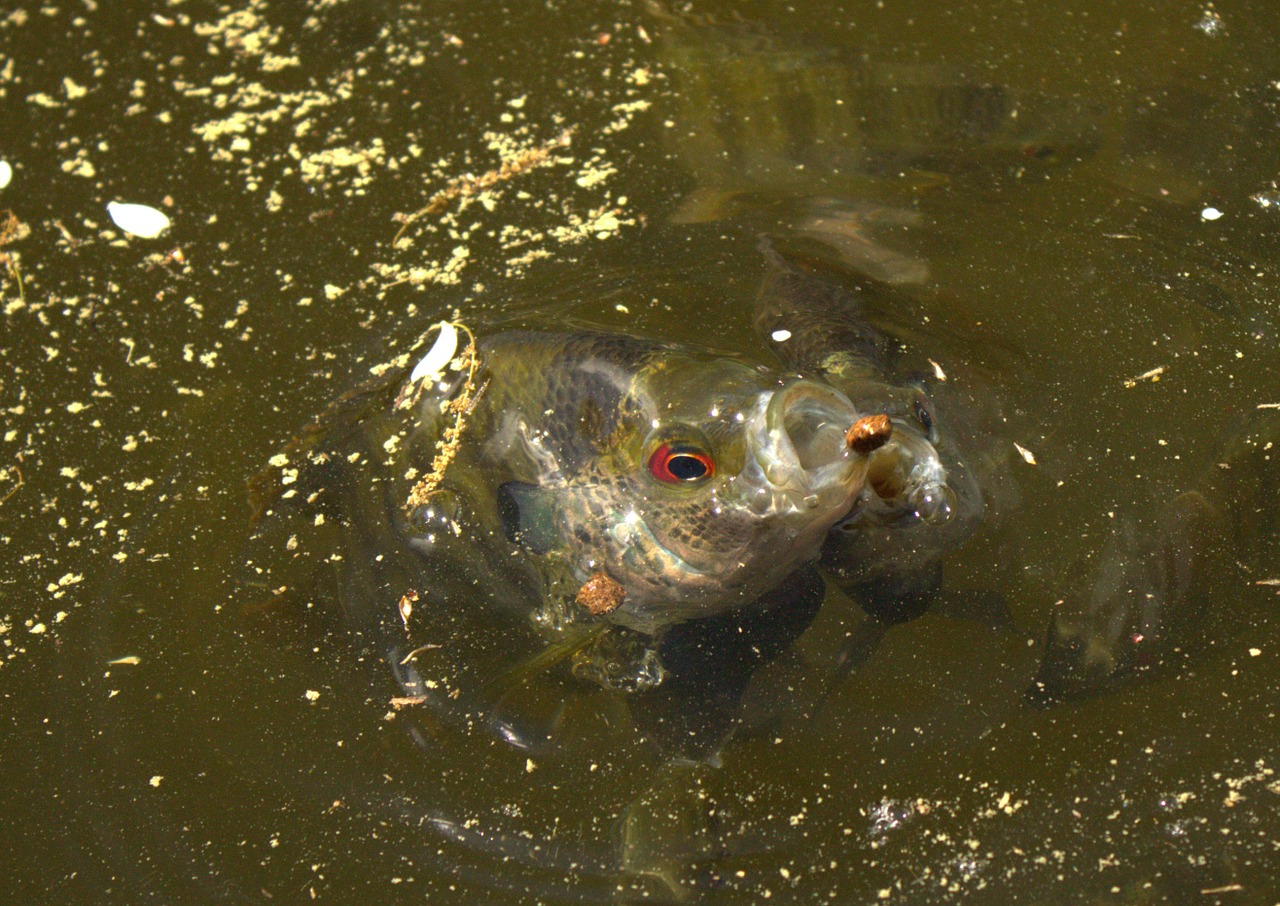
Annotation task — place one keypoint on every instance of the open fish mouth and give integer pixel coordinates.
(908, 481)
(798, 442)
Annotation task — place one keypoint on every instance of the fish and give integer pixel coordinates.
(677, 483)
(1173, 580)
(792, 130)
(756, 116)
(921, 498)
(1142, 595)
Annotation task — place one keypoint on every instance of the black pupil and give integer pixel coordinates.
(925, 417)
(686, 467)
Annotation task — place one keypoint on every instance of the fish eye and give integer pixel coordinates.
(924, 416)
(676, 463)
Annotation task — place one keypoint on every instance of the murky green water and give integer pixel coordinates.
(233, 757)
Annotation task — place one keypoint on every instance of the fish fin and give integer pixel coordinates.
(528, 516)
(543, 661)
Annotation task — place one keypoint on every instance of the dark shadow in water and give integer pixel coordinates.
(710, 662)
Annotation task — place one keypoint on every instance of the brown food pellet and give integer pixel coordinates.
(600, 594)
(869, 433)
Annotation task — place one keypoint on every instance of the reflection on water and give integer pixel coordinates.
(1108, 307)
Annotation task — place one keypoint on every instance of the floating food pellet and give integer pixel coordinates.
(138, 219)
(6, 173)
(1210, 214)
(600, 594)
(869, 433)
(780, 336)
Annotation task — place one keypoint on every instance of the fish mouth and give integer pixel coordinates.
(908, 481)
(799, 443)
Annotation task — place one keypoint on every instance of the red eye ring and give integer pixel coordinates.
(681, 464)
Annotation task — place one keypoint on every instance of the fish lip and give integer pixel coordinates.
(797, 444)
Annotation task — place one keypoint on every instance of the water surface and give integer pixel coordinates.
(646, 150)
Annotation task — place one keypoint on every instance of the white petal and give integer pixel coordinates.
(138, 219)
(441, 354)
(6, 173)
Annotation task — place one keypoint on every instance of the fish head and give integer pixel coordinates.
(920, 499)
(918, 477)
(721, 479)
(907, 481)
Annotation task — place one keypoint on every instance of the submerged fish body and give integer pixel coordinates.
(1147, 594)
(920, 498)
(1173, 580)
(757, 116)
(694, 482)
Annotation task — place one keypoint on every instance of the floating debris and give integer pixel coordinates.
(459, 406)
(1269, 405)
(937, 371)
(6, 173)
(4, 476)
(467, 186)
(432, 364)
(406, 701)
(1210, 22)
(407, 600)
(12, 230)
(1268, 197)
(1153, 375)
(138, 219)
(1025, 454)
(415, 652)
